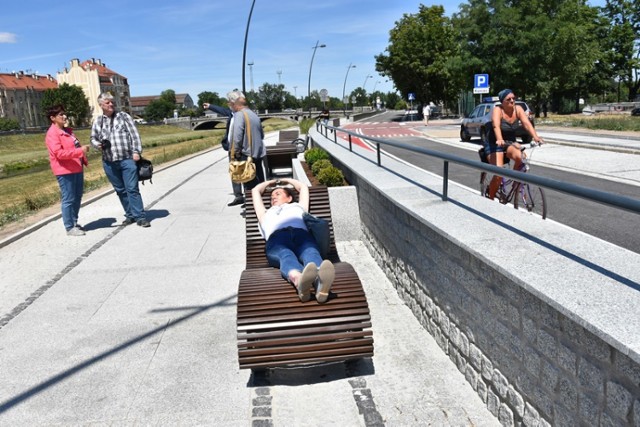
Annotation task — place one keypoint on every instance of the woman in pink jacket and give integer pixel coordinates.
(67, 158)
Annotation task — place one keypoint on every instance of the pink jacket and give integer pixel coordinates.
(64, 157)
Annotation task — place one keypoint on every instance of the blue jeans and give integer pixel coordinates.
(71, 187)
(291, 249)
(123, 175)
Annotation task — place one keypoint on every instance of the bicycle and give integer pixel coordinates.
(529, 196)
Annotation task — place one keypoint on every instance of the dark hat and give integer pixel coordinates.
(503, 94)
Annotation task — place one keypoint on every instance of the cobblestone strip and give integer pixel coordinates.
(261, 407)
(366, 406)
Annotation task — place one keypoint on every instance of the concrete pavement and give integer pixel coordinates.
(133, 326)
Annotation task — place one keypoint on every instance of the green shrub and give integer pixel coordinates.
(319, 165)
(331, 177)
(9, 124)
(314, 154)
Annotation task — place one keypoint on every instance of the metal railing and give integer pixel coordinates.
(603, 197)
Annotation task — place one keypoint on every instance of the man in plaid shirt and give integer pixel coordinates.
(116, 135)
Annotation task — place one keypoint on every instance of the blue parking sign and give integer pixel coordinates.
(481, 81)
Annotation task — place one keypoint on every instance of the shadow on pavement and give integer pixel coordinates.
(315, 374)
(38, 388)
(100, 223)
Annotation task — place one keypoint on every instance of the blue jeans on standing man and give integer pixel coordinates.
(291, 249)
(71, 187)
(123, 175)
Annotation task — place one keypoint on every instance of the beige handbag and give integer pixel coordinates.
(242, 171)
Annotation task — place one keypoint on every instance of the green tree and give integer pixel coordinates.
(391, 99)
(210, 98)
(420, 46)
(72, 98)
(270, 97)
(169, 96)
(525, 45)
(624, 43)
(360, 95)
(158, 110)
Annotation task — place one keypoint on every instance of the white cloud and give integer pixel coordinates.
(8, 38)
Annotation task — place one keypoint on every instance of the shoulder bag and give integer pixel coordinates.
(242, 171)
(319, 229)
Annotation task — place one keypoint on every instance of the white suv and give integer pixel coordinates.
(479, 122)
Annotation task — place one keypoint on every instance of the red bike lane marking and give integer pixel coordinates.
(354, 140)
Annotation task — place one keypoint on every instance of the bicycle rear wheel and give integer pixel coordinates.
(531, 198)
(484, 184)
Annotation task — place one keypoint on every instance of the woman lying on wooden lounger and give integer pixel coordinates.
(289, 245)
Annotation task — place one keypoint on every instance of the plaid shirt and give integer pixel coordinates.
(120, 130)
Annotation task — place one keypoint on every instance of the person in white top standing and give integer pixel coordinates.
(426, 112)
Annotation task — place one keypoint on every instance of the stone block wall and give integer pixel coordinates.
(529, 363)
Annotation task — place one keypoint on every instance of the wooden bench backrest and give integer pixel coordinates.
(318, 206)
(288, 135)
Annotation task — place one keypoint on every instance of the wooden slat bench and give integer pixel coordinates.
(276, 329)
(279, 161)
(288, 135)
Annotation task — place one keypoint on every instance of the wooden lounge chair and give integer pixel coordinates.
(275, 329)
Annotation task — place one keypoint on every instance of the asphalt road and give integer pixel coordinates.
(608, 223)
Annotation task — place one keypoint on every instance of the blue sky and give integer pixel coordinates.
(195, 45)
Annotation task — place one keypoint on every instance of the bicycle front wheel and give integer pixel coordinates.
(531, 198)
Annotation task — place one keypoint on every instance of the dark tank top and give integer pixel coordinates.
(508, 129)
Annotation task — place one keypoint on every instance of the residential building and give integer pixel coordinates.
(94, 78)
(21, 97)
(139, 103)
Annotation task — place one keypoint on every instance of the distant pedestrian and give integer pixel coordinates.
(544, 109)
(115, 133)
(239, 135)
(67, 159)
(426, 112)
(238, 198)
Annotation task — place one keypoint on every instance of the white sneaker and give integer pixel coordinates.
(75, 232)
(305, 283)
(326, 276)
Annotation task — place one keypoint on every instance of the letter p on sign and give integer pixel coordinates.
(481, 81)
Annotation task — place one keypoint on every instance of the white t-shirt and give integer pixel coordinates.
(282, 216)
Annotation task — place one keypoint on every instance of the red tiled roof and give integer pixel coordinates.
(102, 69)
(143, 101)
(24, 81)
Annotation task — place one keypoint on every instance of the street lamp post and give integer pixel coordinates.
(344, 86)
(310, 67)
(365, 80)
(244, 51)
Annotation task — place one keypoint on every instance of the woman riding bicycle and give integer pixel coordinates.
(507, 118)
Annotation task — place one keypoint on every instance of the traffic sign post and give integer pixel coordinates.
(324, 97)
(480, 84)
(411, 96)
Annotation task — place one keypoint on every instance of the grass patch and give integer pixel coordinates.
(594, 122)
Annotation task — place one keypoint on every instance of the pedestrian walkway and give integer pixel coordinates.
(134, 326)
